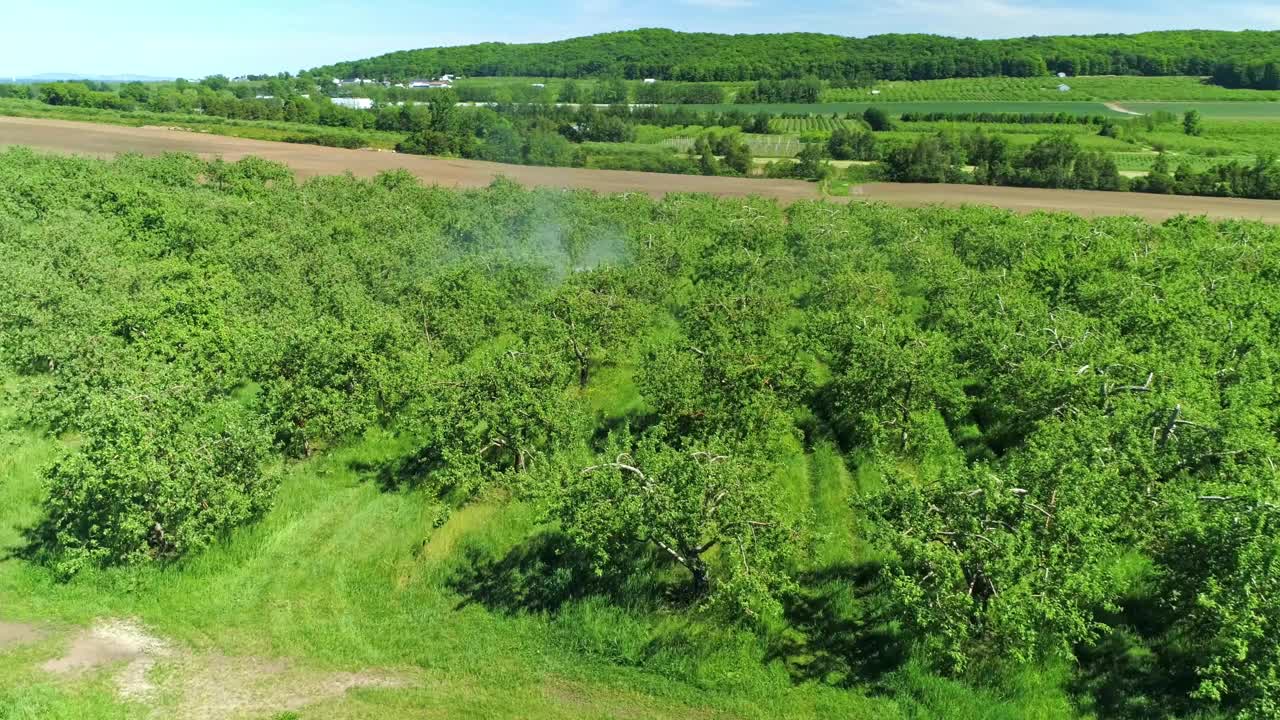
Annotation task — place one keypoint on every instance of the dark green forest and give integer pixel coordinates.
(1239, 59)
(1060, 434)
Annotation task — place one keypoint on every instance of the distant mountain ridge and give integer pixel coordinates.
(55, 77)
(671, 55)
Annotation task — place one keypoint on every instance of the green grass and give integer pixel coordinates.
(766, 146)
(832, 490)
(814, 123)
(342, 575)
(1045, 89)
(1215, 110)
(250, 129)
(897, 108)
(345, 576)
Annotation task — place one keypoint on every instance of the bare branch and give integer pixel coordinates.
(677, 556)
(1169, 427)
(619, 465)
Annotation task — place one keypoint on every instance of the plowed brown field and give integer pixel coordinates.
(309, 160)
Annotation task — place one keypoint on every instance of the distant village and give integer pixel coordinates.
(363, 103)
(440, 83)
(444, 81)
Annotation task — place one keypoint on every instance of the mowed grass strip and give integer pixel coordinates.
(897, 108)
(1098, 88)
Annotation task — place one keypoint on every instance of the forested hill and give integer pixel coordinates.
(667, 54)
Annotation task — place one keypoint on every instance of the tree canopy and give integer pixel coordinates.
(1247, 58)
(1063, 431)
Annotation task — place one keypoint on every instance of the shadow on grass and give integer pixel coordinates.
(38, 546)
(546, 572)
(407, 472)
(1139, 670)
(839, 632)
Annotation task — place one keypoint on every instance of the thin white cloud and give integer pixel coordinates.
(722, 4)
(1267, 17)
(599, 7)
(1017, 18)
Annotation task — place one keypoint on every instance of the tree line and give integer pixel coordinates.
(1006, 118)
(1058, 161)
(670, 55)
(1244, 74)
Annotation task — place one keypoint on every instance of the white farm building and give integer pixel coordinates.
(353, 103)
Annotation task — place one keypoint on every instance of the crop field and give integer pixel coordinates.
(897, 108)
(1045, 89)
(766, 146)
(1214, 110)
(814, 123)
(1106, 88)
(1143, 161)
(251, 129)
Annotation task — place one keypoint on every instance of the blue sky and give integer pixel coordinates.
(177, 38)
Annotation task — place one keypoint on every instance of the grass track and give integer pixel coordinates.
(1214, 110)
(897, 108)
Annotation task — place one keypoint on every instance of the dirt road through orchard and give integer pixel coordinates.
(309, 160)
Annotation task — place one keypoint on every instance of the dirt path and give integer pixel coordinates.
(309, 160)
(14, 634)
(175, 681)
(1117, 107)
(1089, 203)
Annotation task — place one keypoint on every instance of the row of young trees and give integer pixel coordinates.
(1009, 118)
(1061, 413)
(541, 135)
(1058, 161)
(1067, 428)
(1259, 179)
(806, 90)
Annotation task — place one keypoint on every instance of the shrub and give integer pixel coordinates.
(350, 142)
(154, 479)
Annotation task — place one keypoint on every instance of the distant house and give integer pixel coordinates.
(1064, 88)
(1062, 74)
(431, 84)
(538, 85)
(264, 97)
(353, 103)
(446, 78)
(650, 81)
(875, 92)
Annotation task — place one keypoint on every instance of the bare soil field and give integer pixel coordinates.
(1091, 203)
(309, 160)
